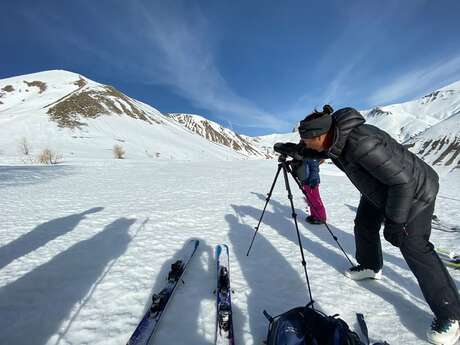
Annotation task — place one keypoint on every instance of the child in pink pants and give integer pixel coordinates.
(310, 185)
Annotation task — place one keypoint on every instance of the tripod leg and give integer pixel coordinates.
(266, 203)
(325, 223)
(294, 216)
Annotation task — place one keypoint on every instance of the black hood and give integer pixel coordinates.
(343, 122)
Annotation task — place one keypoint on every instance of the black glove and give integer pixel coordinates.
(394, 233)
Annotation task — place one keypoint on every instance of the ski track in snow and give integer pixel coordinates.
(83, 247)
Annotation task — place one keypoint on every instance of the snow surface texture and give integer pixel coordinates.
(83, 247)
(407, 119)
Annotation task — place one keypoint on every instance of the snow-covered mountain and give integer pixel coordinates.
(216, 133)
(440, 144)
(80, 118)
(430, 126)
(409, 119)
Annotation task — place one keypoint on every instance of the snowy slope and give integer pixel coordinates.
(430, 126)
(408, 119)
(83, 247)
(266, 142)
(216, 133)
(440, 144)
(82, 119)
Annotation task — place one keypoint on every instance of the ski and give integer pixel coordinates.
(224, 318)
(450, 258)
(363, 326)
(149, 323)
(448, 254)
(454, 263)
(437, 224)
(364, 331)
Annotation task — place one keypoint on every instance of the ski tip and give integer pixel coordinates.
(220, 248)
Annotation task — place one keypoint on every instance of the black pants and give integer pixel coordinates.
(435, 282)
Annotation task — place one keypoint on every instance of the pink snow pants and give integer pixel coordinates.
(317, 210)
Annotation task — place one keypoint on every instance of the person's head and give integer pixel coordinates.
(314, 129)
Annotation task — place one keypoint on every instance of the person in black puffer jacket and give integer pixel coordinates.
(397, 189)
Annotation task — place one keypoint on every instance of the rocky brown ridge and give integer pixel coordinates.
(445, 94)
(445, 146)
(41, 85)
(88, 102)
(219, 134)
(378, 112)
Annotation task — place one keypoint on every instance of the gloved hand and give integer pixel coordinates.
(394, 233)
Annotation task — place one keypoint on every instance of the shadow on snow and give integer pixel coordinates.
(24, 175)
(41, 235)
(269, 276)
(410, 315)
(40, 300)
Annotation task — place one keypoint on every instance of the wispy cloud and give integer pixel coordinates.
(162, 44)
(183, 40)
(348, 60)
(418, 82)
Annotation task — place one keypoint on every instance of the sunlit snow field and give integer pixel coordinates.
(84, 245)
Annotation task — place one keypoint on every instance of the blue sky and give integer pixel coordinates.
(254, 66)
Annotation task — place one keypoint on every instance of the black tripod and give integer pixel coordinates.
(284, 165)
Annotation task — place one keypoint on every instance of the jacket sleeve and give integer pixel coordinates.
(376, 157)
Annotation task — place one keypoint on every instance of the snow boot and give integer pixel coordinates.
(443, 332)
(312, 220)
(359, 273)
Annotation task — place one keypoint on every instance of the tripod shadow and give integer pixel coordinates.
(41, 235)
(40, 300)
(352, 208)
(271, 279)
(347, 242)
(187, 303)
(406, 309)
(285, 227)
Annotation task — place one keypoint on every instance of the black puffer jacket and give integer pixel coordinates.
(388, 175)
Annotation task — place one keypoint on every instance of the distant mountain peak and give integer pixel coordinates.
(377, 112)
(92, 102)
(439, 95)
(83, 118)
(219, 134)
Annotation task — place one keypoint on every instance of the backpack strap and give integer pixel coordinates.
(268, 316)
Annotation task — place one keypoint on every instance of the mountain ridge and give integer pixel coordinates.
(80, 108)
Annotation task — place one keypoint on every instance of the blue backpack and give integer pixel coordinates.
(308, 326)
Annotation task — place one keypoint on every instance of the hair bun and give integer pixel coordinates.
(327, 109)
